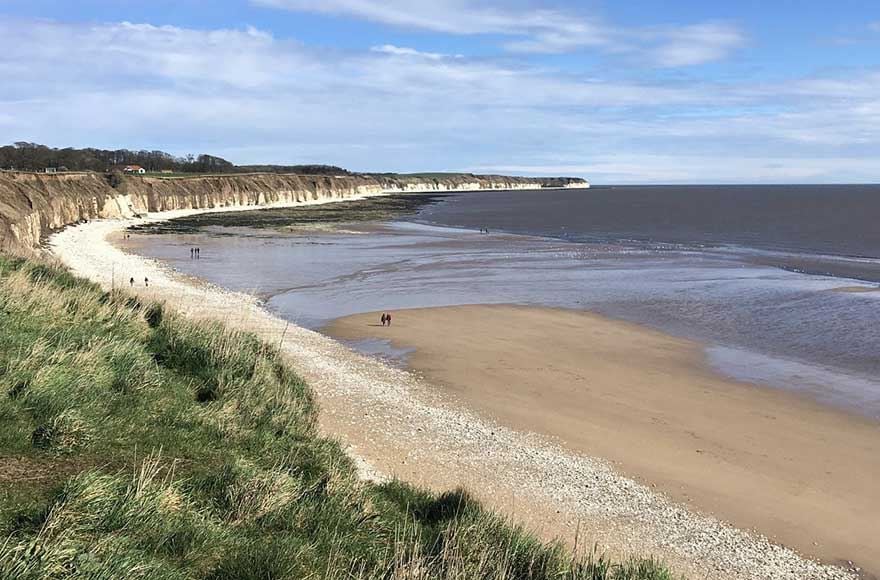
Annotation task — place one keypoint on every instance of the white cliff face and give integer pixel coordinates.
(425, 187)
(33, 205)
(443, 187)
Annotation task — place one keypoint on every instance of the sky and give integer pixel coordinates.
(616, 91)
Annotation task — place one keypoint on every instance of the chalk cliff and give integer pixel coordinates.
(33, 205)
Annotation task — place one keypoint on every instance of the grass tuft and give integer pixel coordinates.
(137, 444)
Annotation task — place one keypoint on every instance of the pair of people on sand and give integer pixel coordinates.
(386, 319)
(146, 282)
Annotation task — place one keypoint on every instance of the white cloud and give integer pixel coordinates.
(238, 58)
(863, 86)
(449, 16)
(678, 169)
(698, 44)
(396, 108)
(874, 26)
(537, 30)
(554, 33)
(109, 56)
(411, 52)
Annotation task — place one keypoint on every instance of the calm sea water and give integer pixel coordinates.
(749, 270)
(823, 229)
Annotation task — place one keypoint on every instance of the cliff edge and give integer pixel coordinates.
(33, 205)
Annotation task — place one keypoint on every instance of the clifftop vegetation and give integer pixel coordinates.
(23, 156)
(34, 157)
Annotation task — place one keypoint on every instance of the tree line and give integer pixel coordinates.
(24, 156)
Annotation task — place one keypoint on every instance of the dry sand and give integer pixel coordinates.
(755, 457)
(396, 424)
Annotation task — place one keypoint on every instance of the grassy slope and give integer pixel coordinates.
(138, 445)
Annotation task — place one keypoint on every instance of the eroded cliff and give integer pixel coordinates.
(33, 205)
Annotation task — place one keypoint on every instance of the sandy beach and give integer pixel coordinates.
(758, 458)
(398, 423)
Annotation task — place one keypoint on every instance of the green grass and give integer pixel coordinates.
(172, 175)
(136, 444)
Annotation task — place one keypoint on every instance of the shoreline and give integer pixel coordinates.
(651, 404)
(856, 289)
(397, 424)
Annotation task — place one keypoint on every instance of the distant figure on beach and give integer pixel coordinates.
(146, 281)
(384, 318)
(388, 318)
(131, 282)
(192, 253)
(198, 251)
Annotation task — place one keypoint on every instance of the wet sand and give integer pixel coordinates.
(857, 289)
(395, 424)
(804, 475)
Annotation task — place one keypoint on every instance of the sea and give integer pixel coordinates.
(780, 283)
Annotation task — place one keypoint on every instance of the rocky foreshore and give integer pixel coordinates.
(32, 205)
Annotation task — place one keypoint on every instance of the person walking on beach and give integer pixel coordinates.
(388, 318)
(146, 282)
(192, 253)
(131, 282)
(383, 319)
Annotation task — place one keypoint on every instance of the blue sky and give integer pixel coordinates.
(642, 91)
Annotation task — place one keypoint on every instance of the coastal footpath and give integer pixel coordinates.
(33, 205)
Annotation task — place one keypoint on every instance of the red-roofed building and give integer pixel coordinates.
(134, 169)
